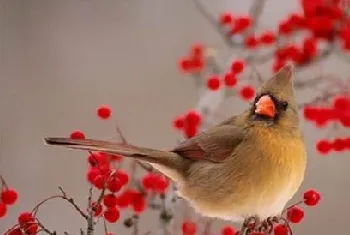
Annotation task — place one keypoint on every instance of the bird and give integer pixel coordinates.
(248, 165)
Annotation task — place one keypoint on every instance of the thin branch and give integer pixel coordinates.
(213, 21)
(3, 181)
(255, 12)
(90, 222)
(46, 230)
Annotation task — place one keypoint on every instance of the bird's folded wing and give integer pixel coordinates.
(213, 145)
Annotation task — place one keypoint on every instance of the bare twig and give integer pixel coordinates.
(3, 181)
(90, 222)
(255, 12)
(213, 21)
(46, 230)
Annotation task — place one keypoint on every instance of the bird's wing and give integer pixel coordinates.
(214, 145)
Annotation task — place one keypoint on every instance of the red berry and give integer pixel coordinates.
(31, 229)
(226, 18)
(311, 197)
(295, 214)
(139, 203)
(185, 65)
(197, 50)
(228, 230)
(280, 229)
(278, 64)
(310, 47)
(237, 66)
(112, 214)
(242, 23)
(122, 176)
(341, 103)
(96, 209)
(285, 27)
(9, 196)
(3, 209)
(161, 184)
(189, 228)
(338, 144)
(99, 182)
(197, 64)
(267, 38)
(114, 184)
(148, 180)
(92, 173)
(25, 218)
(193, 118)
(310, 113)
(251, 42)
(110, 200)
(77, 135)
(323, 146)
(230, 79)
(213, 83)
(247, 92)
(178, 123)
(104, 112)
(16, 231)
(190, 131)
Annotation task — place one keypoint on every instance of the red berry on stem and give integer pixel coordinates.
(323, 146)
(280, 229)
(226, 18)
(77, 135)
(341, 103)
(114, 184)
(92, 173)
(338, 144)
(311, 197)
(197, 50)
(148, 180)
(111, 215)
(247, 92)
(96, 208)
(178, 123)
(310, 113)
(110, 200)
(228, 230)
(122, 175)
(16, 231)
(213, 83)
(99, 182)
(267, 37)
(139, 203)
(310, 47)
(230, 79)
(242, 23)
(190, 131)
(193, 118)
(251, 42)
(25, 217)
(185, 65)
(3, 209)
(104, 112)
(161, 184)
(189, 228)
(237, 66)
(31, 229)
(295, 214)
(9, 196)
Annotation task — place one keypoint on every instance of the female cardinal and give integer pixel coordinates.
(249, 165)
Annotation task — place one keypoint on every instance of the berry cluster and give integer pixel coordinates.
(8, 197)
(27, 225)
(339, 113)
(189, 123)
(195, 61)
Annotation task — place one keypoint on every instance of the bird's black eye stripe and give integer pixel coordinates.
(284, 105)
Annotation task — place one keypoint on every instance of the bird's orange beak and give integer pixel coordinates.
(265, 106)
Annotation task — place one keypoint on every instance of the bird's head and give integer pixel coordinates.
(275, 102)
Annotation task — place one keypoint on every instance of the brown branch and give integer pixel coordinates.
(90, 222)
(3, 181)
(46, 230)
(213, 21)
(255, 12)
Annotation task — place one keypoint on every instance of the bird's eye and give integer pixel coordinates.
(284, 105)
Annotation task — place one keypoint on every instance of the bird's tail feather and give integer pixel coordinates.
(165, 158)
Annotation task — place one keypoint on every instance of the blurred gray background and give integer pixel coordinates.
(62, 59)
